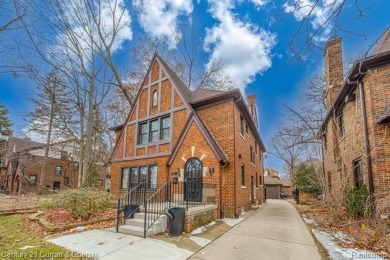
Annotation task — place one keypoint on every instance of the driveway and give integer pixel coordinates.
(275, 231)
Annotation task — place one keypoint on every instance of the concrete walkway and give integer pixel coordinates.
(275, 231)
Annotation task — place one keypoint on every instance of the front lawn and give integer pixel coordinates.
(14, 236)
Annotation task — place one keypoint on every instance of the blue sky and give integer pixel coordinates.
(251, 35)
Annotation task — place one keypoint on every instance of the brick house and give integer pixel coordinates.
(275, 188)
(21, 166)
(356, 131)
(175, 134)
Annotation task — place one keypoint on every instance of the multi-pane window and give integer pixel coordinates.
(154, 130)
(242, 175)
(358, 173)
(165, 127)
(58, 170)
(143, 133)
(125, 178)
(131, 177)
(154, 98)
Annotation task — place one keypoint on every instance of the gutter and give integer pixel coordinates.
(235, 165)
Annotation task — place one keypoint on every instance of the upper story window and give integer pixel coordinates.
(154, 130)
(358, 173)
(255, 147)
(58, 170)
(242, 125)
(340, 123)
(154, 98)
(252, 154)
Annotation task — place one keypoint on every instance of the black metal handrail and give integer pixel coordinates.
(130, 203)
(187, 195)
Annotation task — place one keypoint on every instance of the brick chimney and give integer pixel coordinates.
(252, 108)
(333, 57)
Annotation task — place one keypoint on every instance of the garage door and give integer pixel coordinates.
(271, 193)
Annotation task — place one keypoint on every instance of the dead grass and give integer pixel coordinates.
(369, 234)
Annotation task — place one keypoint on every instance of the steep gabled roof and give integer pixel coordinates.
(380, 57)
(268, 180)
(200, 94)
(194, 118)
(383, 43)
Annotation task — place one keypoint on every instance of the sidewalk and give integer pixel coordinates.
(275, 231)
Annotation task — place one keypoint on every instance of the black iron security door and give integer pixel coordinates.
(193, 180)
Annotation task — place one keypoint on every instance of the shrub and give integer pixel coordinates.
(80, 202)
(306, 179)
(357, 201)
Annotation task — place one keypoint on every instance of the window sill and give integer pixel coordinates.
(243, 187)
(253, 164)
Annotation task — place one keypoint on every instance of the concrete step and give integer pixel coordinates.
(135, 231)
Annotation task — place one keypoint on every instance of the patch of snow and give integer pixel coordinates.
(308, 220)
(27, 247)
(199, 230)
(232, 221)
(337, 252)
(200, 241)
(79, 229)
(343, 237)
(212, 223)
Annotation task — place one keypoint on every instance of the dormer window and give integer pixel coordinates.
(154, 98)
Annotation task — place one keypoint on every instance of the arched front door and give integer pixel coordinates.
(193, 180)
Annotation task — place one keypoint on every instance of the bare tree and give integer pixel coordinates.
(318, 19)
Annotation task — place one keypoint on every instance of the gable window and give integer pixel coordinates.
(165, 127)
(143, 133)
(154, 98)
(242, 175)
(58, 170)
(154, 130)
(358, 173)
(242, 125)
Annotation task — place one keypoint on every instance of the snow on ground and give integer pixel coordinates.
(308, 220)
(232, 221)
(200, 241)
(337, 252)
(201, 229)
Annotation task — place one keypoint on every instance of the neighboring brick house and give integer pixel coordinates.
(172, 130)
(356, 131)
(21, 167)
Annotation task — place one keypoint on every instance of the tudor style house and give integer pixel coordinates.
(356, 131)
(207, 137)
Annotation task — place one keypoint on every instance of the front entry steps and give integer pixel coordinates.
(135, 226)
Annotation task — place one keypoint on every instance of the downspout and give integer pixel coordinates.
(235, 166)
(367, 141)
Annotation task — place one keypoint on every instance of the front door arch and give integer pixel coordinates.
(193, 180)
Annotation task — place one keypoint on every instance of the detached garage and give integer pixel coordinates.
(272, 187)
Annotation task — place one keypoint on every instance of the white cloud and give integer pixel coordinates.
(244, 47)
(160, 18)
(113, 16)
(259, 3)
(319, 13)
